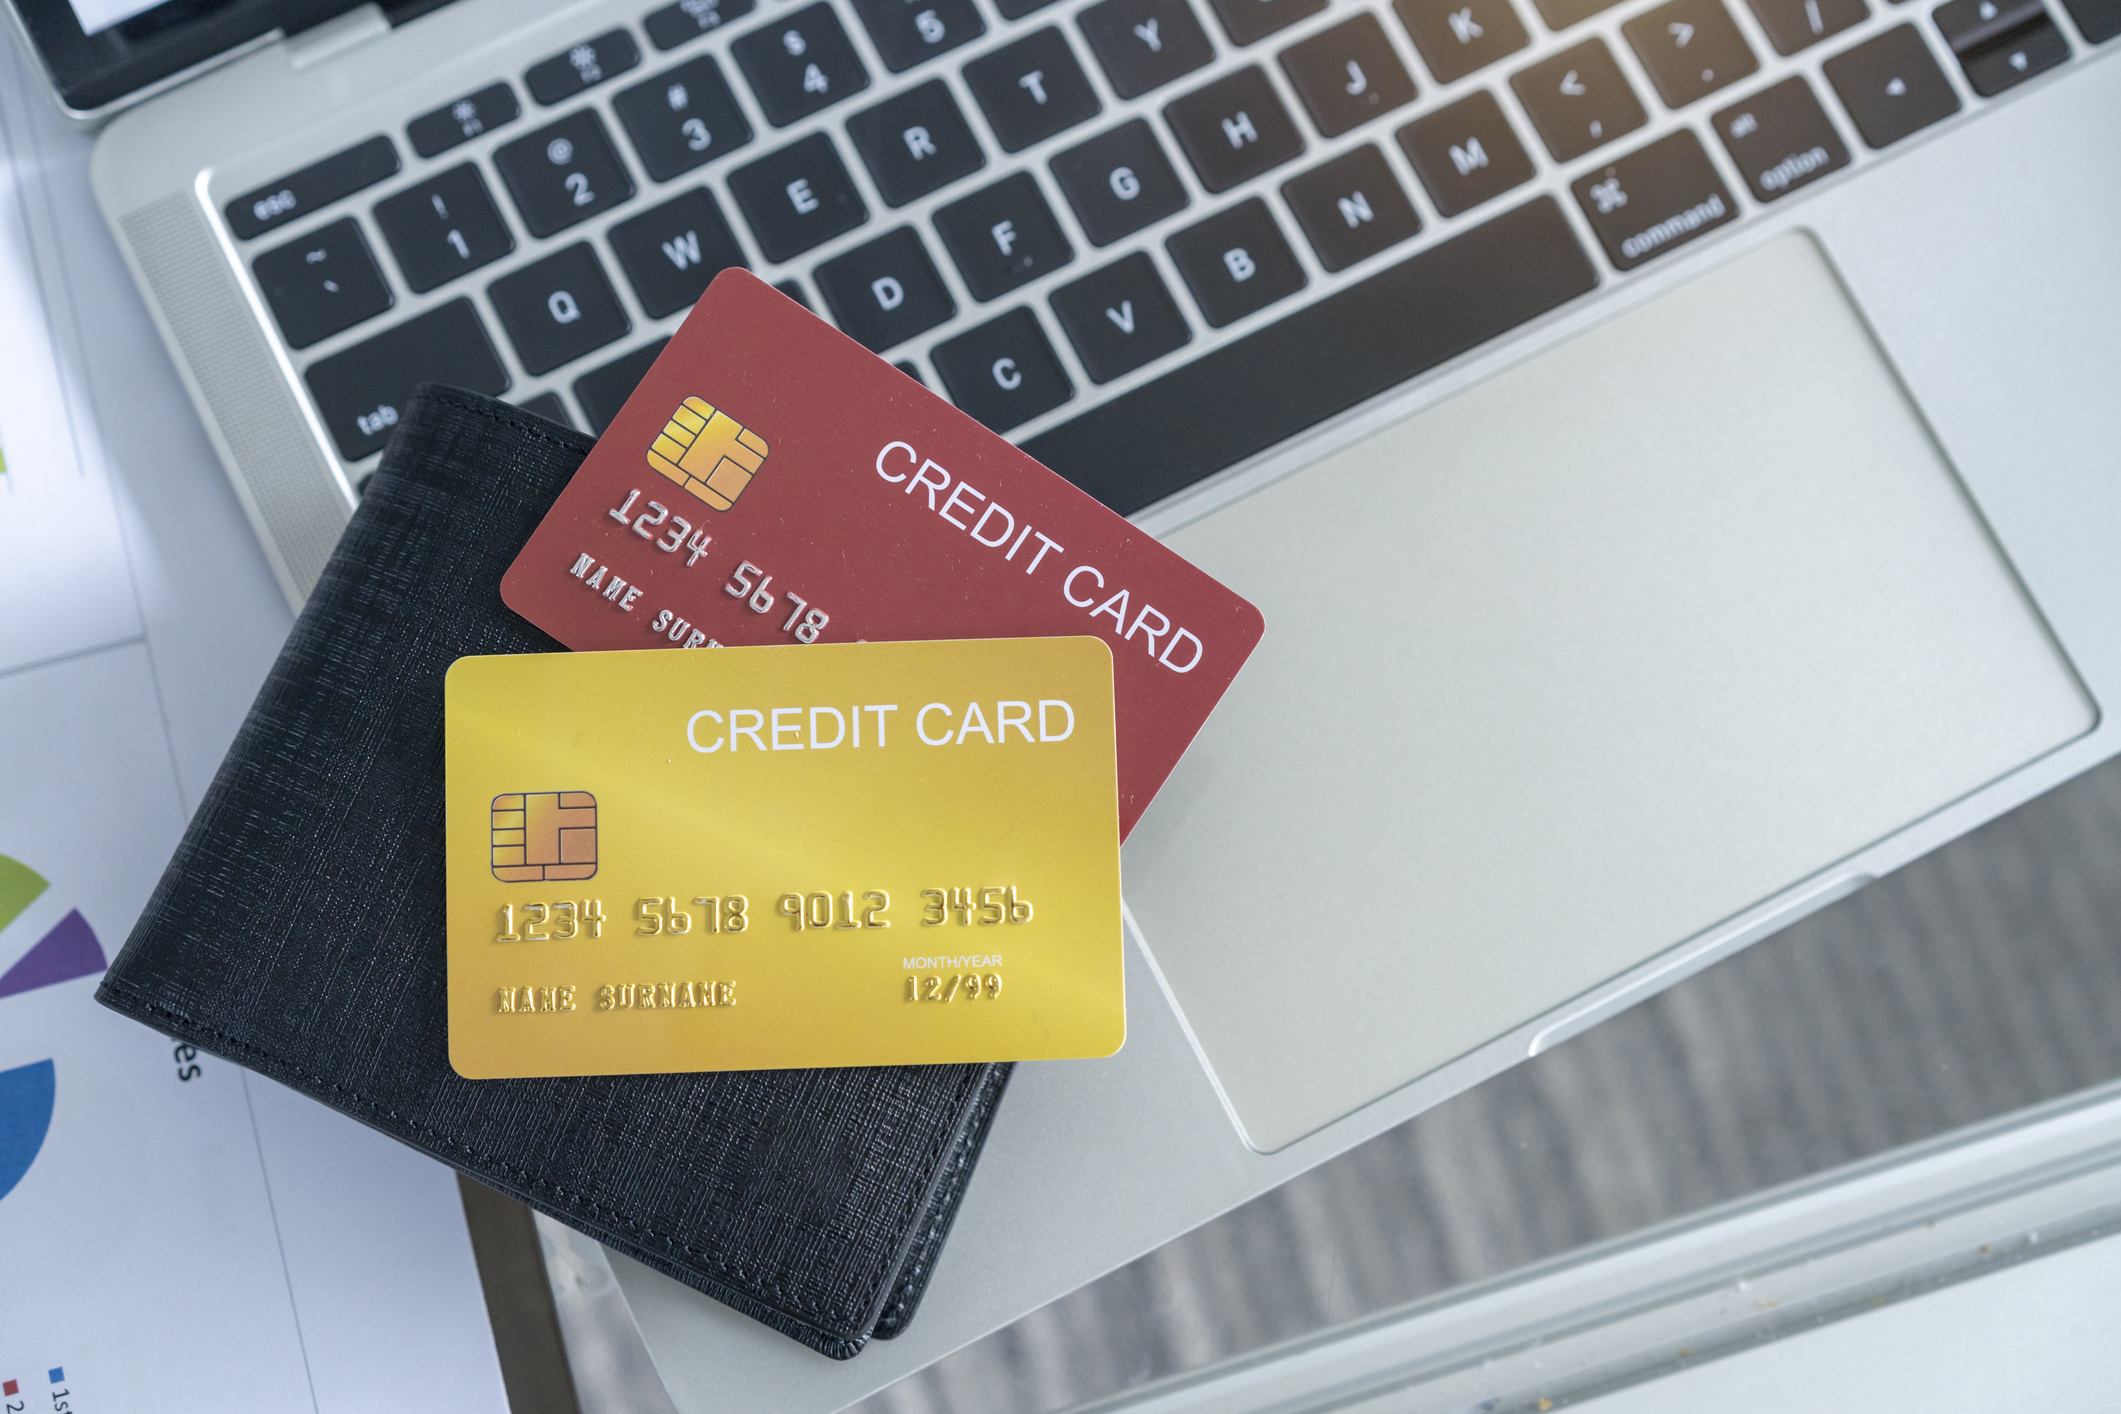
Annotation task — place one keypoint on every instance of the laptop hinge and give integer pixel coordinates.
(335, 36)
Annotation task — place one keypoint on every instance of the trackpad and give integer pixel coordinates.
(1566, 670)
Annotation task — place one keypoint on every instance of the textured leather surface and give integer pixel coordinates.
(928, 1241)
(299, 931)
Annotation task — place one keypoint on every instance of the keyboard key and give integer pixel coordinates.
(1347, 75)
(1119, 182)
(909, 32)
(1003, 236)
(2030, 51)
(563, 173)
(1780, 139)
(1031, 89)
(603, 391)
(907, 367)
(915, 143)
(1578, 100)
(1359, 341)
(558, 309)
(1655, 199)
(1691, 48)
(1466, 153)
(1017, 9)
(797, 198)
(1792, 25)
(2097, 20)
(1351, 208)
(444, 227)
(1891, 86)
(885, 292)
(682, 118)
(432, 134)
(1234, 129)
(1120, 317)
(583, 66)
(1236, 262)
(1248, 21)
(1144, 44)
(1004, 372)
(322, 283)
(1560, 14)
(670, 252)
(689, 19)
(800, 64)
(2001, 42)
(312, 188)
(361, 393)
(549, 407)
(1456, 37)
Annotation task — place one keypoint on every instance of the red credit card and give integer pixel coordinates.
(771, 481)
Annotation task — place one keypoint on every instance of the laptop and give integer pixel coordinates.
(1672, 443)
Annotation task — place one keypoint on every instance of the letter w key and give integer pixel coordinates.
(673, 250)
(683, 251)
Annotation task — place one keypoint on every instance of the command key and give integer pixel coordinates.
(1654, 199)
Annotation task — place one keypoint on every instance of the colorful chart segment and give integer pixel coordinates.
(26, 1096)
(28, 1092)
(68, 951)
(19, 887)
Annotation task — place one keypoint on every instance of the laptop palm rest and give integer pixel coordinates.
(1564, 671)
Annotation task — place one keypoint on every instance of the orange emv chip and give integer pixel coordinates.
(708, 452)
(544, 835)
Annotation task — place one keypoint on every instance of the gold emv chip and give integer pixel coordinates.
(708, 452)
(539, 835)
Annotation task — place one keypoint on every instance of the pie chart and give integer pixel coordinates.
(26, 1094)
(66, 951)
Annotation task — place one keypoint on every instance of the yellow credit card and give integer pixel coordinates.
(754, 858)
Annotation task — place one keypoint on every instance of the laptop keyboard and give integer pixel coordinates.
(1150, 238)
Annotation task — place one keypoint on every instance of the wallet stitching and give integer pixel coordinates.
(524, 1174)
(961, 1159)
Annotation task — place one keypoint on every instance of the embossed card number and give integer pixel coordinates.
(891, 853)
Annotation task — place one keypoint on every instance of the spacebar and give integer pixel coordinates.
(1246, 396)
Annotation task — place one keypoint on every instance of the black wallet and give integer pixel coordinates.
(299, 931)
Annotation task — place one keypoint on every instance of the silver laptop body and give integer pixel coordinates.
(1765, 543)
